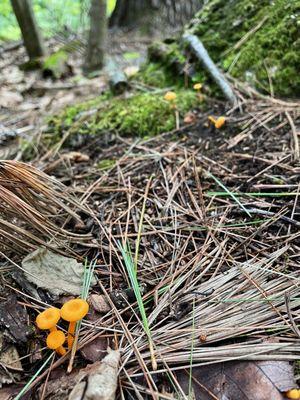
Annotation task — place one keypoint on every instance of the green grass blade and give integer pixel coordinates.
(25, 388)
(231, 194)
(130, 266)
(138, 239)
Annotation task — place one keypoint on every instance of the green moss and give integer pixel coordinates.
(155, 75)
(146, 114)
(143, 114)
(56, 63)
(270, 53)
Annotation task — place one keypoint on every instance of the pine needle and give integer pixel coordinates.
(138, 240)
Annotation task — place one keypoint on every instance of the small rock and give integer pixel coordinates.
(96, 350)
(99, 303)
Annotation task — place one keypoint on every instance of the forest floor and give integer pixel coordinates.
(193, 236)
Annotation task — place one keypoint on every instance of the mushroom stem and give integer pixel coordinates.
(61, 350)
(71, 332)
(212, 119)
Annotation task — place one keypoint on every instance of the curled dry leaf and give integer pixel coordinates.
(263, 380)
(100, 382)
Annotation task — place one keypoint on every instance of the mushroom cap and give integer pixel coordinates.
(74, 310)
(197, 86)
(55, 339)
(293, 394)
(170, 96)
(220, 122)
(48, 318)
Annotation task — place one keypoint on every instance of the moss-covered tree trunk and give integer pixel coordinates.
(254, 40)
(30, 32)
(94, 59)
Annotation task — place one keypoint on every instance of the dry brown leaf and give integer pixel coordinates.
(55, 273)
(245, 380)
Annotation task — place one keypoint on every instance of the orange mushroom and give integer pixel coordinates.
(55, 341)
(293, 394)
(48, 319)
(219, 122)
(73, 311)
(170, 96)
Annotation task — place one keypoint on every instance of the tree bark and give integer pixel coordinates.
(32, 38)
(94, 59)
(128, 13)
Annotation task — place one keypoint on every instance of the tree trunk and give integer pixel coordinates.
(95, 52)
(128, 13)
(30, 32)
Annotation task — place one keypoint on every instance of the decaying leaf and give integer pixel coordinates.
(100, 382)
(13, 318)
(55, 273)
(97, 381)
(245, 380)
(10, 361)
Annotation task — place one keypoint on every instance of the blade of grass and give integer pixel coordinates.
(25, 388)
(138, 239)
(231, 194)
(130, 266)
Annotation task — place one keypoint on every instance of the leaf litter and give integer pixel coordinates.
(197, 246)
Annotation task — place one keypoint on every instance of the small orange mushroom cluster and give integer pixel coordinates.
(219, 122)
(72, 311)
